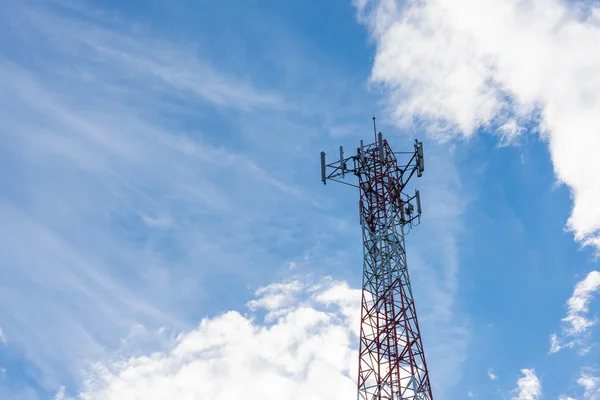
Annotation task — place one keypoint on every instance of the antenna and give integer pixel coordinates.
(323, 174)
(362, 152)
(420, 159)
(380, 144)
(418, 196)
(374, 128)
(342, 160)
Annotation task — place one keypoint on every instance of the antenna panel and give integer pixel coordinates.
(342, 160)
(421, 159)
(380, 144)
(362, 153)
(323, 174)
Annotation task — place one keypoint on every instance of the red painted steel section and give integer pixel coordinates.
(392, 363)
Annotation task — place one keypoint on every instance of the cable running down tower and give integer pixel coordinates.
(392, 362)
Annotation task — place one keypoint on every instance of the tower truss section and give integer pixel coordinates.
(392, 363)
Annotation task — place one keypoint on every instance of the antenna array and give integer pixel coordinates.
(392, 362)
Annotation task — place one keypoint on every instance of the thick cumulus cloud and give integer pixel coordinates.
(297, 342)
(504, 66)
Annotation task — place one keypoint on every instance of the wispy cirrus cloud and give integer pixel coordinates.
(125, 56)
(577, 322)
(435, 267)
(95, 160)
(579, 302)
(129, 196)
(492, 375)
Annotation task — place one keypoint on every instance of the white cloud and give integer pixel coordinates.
(60, 395)
(344, 297)
(492, 375)
(115, 141)
(308, 352)
(499, 65)
(579, 301)
(576, 323)
(591, 384)
(2, 337)
(528, 386)
(156, 222)
(146, 56)
(434, 264)
(275, 298)
(554, 344)
(93, 123)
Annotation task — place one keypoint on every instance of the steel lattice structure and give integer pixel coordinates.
(392, 362)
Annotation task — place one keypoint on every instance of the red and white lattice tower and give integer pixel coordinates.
(392, 362)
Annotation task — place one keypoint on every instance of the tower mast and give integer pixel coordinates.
(392, 362)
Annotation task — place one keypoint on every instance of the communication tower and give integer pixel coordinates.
(392, 362)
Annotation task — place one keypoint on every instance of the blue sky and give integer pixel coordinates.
(165, 231)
